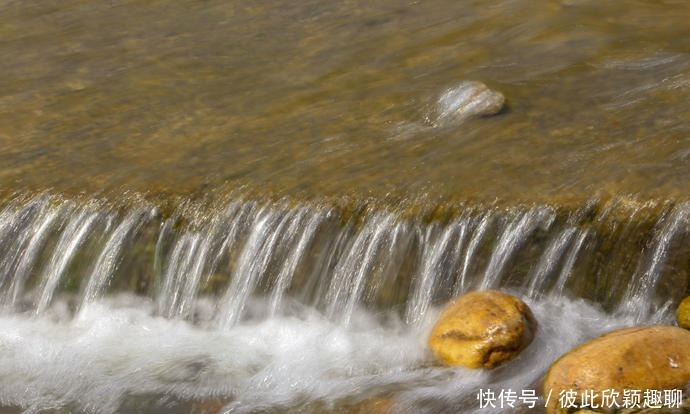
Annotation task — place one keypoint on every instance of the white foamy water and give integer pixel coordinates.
(275, 308)
(117, 349)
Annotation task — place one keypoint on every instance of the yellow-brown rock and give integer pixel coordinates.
(210, 406)
(482, 329)
(372, 405)
(683, 313)
(640, 358)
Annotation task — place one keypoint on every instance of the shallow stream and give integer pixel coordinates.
(260, 207)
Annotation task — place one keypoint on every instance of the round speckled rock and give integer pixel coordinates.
(482, 330)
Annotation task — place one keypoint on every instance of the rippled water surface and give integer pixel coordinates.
(319, 98)
(260, 207)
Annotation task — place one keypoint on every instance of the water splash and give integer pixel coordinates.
(245, 292)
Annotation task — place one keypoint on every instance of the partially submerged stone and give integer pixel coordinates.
(683, 313)
(482, 329)
(640, 358)
(209, 406)
(371, 405)
(468, 99)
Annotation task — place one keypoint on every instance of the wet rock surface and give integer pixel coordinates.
(640, 358)
(482, 330)
(683, 313)
(468, 99)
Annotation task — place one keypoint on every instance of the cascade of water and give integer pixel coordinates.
(16, 230)
(513, 237)
(569, 262)
(235, 293)
(318, 285)
(38, 233)
(355, 264)
(235, 218)
(375, 259)
(640, 292)
(193, 256)
(253, 262)
(477, 237)
(440, 257)
(313, 221)
(72, 237)
(183, 270)
(549, 263)
(110, 256)
(394, 271)
(164, 234)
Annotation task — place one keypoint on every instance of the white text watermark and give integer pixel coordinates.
(605, 399)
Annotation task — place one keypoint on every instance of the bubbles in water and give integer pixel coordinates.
(117, 349)
(302, 316)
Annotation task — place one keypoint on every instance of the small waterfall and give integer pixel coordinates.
(642, 289)
(110, 255)
(513, 237)
(362, 255)
(310, 224)
(569, 262)
(320, 258)
(477, 237)
(193, 258)
(201, 301)
(17, 226)
(36, 238)
(72, 237)
(182, 275)
(551, 259)
(440, 257)
(266, 233)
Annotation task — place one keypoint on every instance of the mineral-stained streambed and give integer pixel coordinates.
(260, 207)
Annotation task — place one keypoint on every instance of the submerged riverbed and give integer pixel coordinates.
(212, 206)
(320, 99)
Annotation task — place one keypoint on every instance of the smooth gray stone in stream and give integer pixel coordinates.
(467, 99)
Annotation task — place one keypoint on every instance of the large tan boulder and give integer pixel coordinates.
(640, 358)
(683, 313)
(482, 329)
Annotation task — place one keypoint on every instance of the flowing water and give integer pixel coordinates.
(211, 206)
(294, 307)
